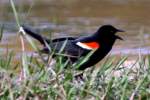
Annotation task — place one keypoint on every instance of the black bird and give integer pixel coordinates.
(101, 41)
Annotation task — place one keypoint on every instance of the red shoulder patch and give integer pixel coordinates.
(93, 45)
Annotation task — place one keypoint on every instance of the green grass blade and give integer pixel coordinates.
(124, 88)
(1, 31)
(15, 13)
(121, 61)
(32, 43)
(77, 65)
(9, 58)
(63, 46)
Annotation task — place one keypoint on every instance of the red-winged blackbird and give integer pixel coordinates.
(101, 41)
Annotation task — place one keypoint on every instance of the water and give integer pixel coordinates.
(77, 18)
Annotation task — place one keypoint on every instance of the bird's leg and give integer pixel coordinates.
(79, 76)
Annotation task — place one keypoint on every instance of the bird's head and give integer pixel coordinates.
(109, 31)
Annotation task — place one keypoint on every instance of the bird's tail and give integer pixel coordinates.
(34, 34)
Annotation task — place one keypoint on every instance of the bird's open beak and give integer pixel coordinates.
(118, 37)
(119, 30)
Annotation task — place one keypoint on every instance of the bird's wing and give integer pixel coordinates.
(63, 39)
(69, 47)
(75, 46)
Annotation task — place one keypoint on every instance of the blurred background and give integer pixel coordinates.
(79, 18)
